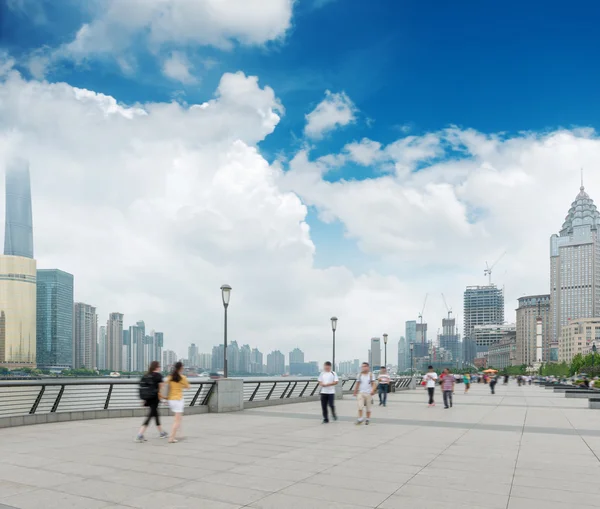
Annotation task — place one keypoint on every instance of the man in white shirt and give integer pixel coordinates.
(328, 380)
(383, 386)
(430, 379)
(364, 390)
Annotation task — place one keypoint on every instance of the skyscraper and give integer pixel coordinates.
(375, 353)
(276, 363)
(17, 312)
(193, 355)
(114, 342)
(403, 364)
(575, 266)
(85, 333)
(256, 361)
(54, 319)
(18, 232)
(245, 358)
(296, 356)
(483, 305)
(159, 339)
(450, 340)
(137, 334)
(169, 358)
(218, 358)
(127, 358)
(530, 308)
(101, 352)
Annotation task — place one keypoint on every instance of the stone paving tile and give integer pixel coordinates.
(230, 494)
(101, 490)
(163, 500)
(439, 495)
(49, 499)
(326, 494)
(279, 501)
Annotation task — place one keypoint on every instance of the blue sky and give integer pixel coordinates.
(451, 86)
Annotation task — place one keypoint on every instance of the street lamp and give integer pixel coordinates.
(385, 336)
(412, 364)
(225, 295)
(333, 328)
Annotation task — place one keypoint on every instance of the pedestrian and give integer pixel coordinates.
(467, 382)
(383, 386)
(177, 382)
(493, 382)
(151, 386)
(328, 380)
(430, 379)
(364, 390)
(448, 387)
(505, 379)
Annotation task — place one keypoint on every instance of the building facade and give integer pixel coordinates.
(575, 265)
(256, 361)
(450, 340)
(204, 361)
(245, 359)
(218, 358)
(296, 356)
(485, 336)
(169, 359)
(530, 308)
(503, 354)
(483, 305)
(18, 312)
(101, 352)
(193, 355)
(375, 353)
(114, 342)
(276, 363)
(18, 230)
(85, 336)
(578, 337)
(403, 362)
(54, 345)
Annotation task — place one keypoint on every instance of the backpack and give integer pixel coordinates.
(148, 387)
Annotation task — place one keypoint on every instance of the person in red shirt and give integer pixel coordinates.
(448, 382)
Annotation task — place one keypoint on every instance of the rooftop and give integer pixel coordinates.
(583, 212)
(524, 447)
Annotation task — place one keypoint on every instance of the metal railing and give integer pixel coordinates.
(34, 398)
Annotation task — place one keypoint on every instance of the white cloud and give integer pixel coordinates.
(177, 67)
(218, 23)
(365, 152)
(336, 110)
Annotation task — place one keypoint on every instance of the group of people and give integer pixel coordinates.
(154, 389)
(365, 388)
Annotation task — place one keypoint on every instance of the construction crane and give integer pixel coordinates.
(423, 310)
(488, 270)
(447, 308)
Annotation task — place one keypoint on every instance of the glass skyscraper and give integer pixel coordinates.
(54, 319)
(18, 232)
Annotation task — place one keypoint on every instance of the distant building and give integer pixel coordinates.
(193, 355)
(137, 334)
(349, 367)
(421, 348)
(486, 335)
(233, 357)
(578, 337)
(159, 343)
(85, 336)
(530, 308)
(304, 368)
(18, 229)
(169, 359)
(375, 353)
(450, 340)
(483, 305)
(245, 359)
(256, 361)
(54, 319)
(114, 342)
(296, 356)
(276, 363)
(403, 355)
(205, 361)
(101, 352)
(503, 354)
(218, 358)
(575, 266)
(127, 351)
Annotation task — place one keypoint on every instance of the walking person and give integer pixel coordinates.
(177, 382)
(467, 382)
(493, 382)
(151, 386)
(328, 380)
(383, 386)
(448, 387)
(430, 379)
(364, 390)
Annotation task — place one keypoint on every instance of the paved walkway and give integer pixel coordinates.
(524, 448)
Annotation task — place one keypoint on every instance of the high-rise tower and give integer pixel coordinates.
(575, 266)
(18, 232)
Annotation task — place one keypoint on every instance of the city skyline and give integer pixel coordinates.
(324, 161)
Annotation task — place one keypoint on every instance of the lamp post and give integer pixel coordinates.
(225, 294)
(385, 336)
(412, 364)
(333, 328)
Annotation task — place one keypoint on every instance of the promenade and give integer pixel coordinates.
(524, 448)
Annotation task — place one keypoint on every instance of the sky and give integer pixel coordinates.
(323, 157)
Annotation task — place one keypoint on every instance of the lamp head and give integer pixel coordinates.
(385, 337)
(225, 294)
(334, 323)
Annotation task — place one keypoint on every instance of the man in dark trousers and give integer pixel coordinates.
(328, 380)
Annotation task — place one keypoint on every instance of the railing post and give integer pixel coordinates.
(208, 394)
(193, 402)
(110, 388)
(37, 400)
(271, 391)
(304, 390)
(57, 401)
(285, 390)
(254, 392)
(293, 389)
(315, 389)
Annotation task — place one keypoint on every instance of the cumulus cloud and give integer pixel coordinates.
(177, 67)
(336, 110)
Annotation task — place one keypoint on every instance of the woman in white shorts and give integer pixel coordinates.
(177, 382)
